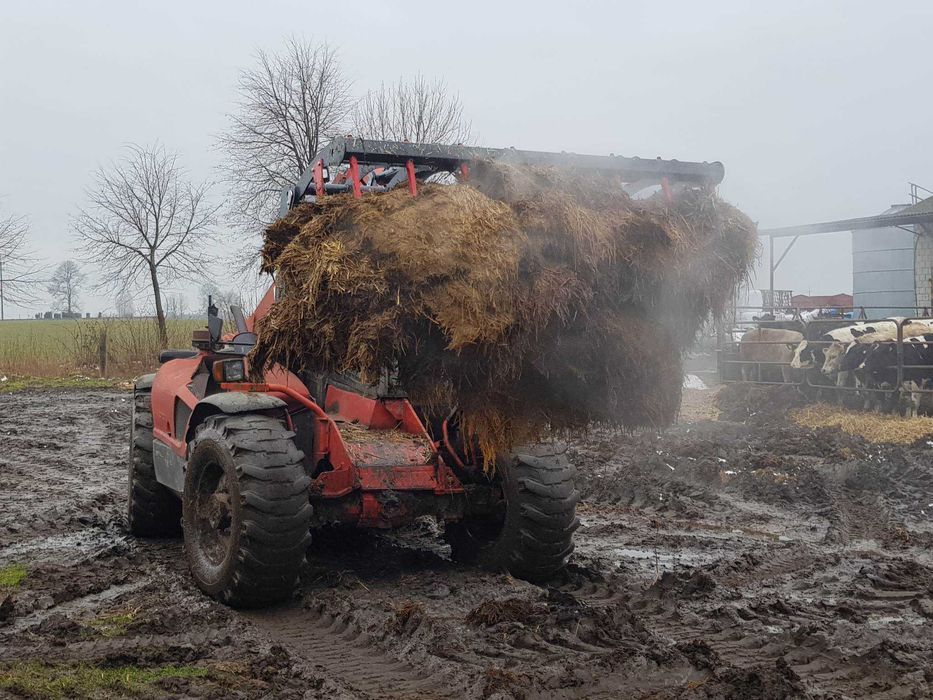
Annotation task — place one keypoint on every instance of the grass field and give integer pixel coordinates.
(48, 348)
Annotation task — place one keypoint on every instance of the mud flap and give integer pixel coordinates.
(169, 467)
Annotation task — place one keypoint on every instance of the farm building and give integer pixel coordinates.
(892, 257)
(807, 302)
(892, 267)
(923, 256)
(883, 268)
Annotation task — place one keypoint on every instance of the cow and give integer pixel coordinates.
(810, 353)
(822, 356)
(833, 354)
(768, 345)
(879, 368)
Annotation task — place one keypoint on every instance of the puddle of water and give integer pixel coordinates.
(664, 560)
(883, 621)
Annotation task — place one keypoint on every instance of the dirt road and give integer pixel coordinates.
(717, 560)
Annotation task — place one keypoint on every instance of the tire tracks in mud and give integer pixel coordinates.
(122, 647)
(347, 653)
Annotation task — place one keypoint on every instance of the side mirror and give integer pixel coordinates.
(215, 324)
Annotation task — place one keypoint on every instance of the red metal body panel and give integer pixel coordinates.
(353, 173)
(318, 175)
(171, 383)
(412, 182)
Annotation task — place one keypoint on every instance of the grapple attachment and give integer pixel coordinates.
(357, 165)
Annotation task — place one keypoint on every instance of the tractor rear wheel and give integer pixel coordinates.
(528, 529)
(246, 511)
(153, 510)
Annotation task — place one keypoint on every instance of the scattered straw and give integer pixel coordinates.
(492, 612)
(874, 427)
(698, 405)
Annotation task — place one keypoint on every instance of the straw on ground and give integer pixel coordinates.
(874, 427)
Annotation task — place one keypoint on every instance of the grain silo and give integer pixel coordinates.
(883, 273)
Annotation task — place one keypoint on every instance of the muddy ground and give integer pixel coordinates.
(738, 558)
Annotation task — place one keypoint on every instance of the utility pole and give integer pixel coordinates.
(1, 288)
(772, 266)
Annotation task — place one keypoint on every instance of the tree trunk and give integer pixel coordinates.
(160, 313)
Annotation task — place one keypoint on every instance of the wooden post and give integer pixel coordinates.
(103, 352)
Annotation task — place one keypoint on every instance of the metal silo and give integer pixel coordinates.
(883, 270)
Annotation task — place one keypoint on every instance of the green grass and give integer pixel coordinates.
(11, 576)
(38, 680)
(49, 348)
(113, 624)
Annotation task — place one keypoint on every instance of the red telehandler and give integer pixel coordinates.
(246, 470)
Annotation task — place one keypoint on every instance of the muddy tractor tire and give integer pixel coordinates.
(153, 510)
(529, 531)
(246, 511)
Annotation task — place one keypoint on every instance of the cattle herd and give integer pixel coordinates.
(856, 364)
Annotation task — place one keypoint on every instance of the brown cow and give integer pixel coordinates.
(769, 345)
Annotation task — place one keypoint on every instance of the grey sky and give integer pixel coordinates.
(818, 110)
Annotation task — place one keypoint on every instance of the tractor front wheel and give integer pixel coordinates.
(527, 527)
(246, 511)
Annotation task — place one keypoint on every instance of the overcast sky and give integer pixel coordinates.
(819, 110)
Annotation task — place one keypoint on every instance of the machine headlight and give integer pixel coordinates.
(230, 371)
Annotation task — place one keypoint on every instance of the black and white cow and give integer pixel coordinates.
(811, 352)
(827, 354)
(878, 369)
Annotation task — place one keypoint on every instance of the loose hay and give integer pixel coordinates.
(874, 427)
(698, 405)
(532, 300)
(492, 612)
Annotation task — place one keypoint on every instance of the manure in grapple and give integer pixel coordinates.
(533, 301)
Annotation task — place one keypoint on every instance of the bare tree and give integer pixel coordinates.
(225, 298)
(147, 223)
(289, 103)
(20, 270)
(176, 306)
(125, 306)
(412, 110)
(65, 286)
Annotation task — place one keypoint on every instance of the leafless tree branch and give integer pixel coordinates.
(21, 272)
(65, 286)
(290, 102)
(146, 223)
(413, 110)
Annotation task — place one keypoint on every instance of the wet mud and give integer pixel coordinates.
(738, 558)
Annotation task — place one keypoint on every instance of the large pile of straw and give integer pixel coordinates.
(532, 300)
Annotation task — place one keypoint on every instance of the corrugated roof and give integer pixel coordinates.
(924, 206)
(921, 207)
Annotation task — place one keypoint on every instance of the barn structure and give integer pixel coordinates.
(810, 302)
(892, 256)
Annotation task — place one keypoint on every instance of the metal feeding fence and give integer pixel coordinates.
(888, 369)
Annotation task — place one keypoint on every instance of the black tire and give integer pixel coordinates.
(530, 533)
(153, 510)
(246, 511)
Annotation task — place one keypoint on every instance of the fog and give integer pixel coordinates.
(817, 110)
